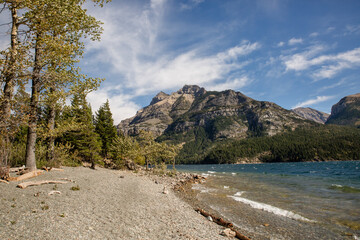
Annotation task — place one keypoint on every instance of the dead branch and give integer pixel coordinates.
(27, 184)
(222, 222)
(26, 176)
(3, 181)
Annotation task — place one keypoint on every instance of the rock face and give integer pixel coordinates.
(346, 111)
(312, 114)
(226, 114)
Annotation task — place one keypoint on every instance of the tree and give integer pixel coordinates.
(56, 28)
(104, 126)
(85, 141)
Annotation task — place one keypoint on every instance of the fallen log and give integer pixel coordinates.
(4, 181)
(27, 184)
(26, 176)
(56, 169)
(17, 169)
(222, 222)
(217, 220)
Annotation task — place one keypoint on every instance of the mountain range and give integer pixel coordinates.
(200, 119)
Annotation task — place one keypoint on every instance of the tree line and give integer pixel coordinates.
(319, 143)
(46, 42)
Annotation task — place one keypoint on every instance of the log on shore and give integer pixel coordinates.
(27, 184)
(3, 181)
(222, 222)
(26, 176)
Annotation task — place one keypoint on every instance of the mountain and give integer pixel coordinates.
(346, 111)
(312, 114)
(226, 114)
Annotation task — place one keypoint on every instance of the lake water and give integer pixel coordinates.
(326, 193)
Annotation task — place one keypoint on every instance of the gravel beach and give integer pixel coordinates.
(99, 204)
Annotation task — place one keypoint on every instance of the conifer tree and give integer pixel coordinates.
(85, 141)
(104, 126)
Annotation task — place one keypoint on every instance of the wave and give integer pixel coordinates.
(211, 172)
(269, 208)
(344, 189)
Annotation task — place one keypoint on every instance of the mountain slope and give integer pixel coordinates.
(346, 111)
(312, 114)
(226, 114)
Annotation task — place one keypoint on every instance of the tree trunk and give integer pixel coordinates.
(10, 67)
(35, 91)
(9, 77)
(51, 126)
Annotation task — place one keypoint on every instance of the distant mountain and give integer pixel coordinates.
(312, 114)
(226, 114)
(229, 127)
(346, 111)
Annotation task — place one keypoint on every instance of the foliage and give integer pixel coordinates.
(84, 140)
(319, 143)
(104, 126)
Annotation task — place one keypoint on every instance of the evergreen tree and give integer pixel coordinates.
(104, 126)
(85, 141)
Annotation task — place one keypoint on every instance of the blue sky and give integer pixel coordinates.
(291, 52)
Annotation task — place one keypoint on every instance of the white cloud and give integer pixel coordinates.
(121, 105)
(330, 65)
(132, 46)
(294, 41)
(280, 44)
(309, 102)
(314, 34)
(190, 5)
(232, 84)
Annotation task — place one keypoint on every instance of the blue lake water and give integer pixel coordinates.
(327, 193)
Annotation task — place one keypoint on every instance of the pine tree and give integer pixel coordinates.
(85, 141)
(105, 128)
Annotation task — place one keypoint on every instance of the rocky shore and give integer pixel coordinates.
(101, 204)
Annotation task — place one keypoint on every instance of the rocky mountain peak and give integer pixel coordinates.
(191, 89)
(346, 111)
(312, 114)
(159, 97)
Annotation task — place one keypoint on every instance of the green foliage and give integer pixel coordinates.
(75, 188)
(104, 126)
(84, 140)
(123, 148)
(319, 143)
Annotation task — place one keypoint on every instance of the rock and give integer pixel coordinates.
(121, 177)
(130, 165)
(210, 218)
(312, 114)
(227, 232)
(165, 191)
(346, 111)
(266, 224)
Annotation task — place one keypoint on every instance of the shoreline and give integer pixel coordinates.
(260, 224)
(132, 205)
(99, 204)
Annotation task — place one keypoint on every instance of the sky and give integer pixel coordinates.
(294, 53)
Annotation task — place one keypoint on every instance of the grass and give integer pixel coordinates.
(45, 207)
(75, 188)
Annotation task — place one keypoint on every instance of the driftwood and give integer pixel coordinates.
(27, 184)
(66, 179)
(57, 169)
(54, 192)
(222, 222)
(18, 169)
(26, 176)
(4, 181)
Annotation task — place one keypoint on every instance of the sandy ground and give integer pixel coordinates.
(109, 205)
